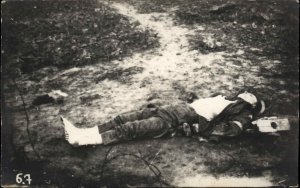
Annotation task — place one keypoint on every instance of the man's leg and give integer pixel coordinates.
(127, 117)
(134, 125)
(164, 121)
(153, 127)
(91, 136)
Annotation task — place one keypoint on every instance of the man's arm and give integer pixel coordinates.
(235, 125)
(244, 119)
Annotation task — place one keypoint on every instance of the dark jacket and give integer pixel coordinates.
(232, 121)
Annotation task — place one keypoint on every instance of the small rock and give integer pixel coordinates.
(219, 9)
(97, 9)
(28, 148)
(265, 16)
(240, 52)
(283, 92)
(63, 109)
(58, 92)
(89, 98)
(219, 44)
(255, 49)
(200, 28)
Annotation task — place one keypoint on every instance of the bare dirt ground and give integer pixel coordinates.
(192, 46)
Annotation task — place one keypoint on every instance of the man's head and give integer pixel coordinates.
(248, 97)
(257, 105)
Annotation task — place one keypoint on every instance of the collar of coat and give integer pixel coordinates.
(232, 109)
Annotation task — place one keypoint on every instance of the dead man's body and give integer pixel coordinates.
(209, 118)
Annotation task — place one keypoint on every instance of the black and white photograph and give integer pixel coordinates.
(149, 93)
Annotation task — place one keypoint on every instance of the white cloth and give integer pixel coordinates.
(210, 107)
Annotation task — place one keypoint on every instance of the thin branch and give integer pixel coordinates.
(105, 161)
(154, 169)
(155, 156)
(27, 120)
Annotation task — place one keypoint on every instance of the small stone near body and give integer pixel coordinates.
(55, 96)
(89, 98)
(58, 92)
(240, 52)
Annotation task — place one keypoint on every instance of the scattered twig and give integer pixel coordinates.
(27, 120)
(105, 161)
(154, 169)
(281, 181)
(155, 156)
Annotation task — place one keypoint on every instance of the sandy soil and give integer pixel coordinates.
(165, 74)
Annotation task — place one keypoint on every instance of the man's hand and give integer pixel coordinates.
(187, 129)
(227, 129)
(195, 128)
(201, 139)
(191, 97)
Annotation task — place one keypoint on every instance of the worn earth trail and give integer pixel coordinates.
(173, 63)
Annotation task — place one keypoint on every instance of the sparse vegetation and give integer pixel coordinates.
(37, 34)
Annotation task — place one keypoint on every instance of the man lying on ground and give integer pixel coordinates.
(210, 118)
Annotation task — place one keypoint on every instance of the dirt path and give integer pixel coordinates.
(173, 66)
(172, 59)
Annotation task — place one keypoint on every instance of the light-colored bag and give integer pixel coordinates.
(272, 124)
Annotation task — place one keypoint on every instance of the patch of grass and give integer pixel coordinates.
(268, 25)
(37, 34)
(119, 74)
(197, 43)
(146, 7)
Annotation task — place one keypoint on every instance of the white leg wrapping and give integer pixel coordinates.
(81, 136)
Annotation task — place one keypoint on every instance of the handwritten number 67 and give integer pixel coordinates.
(19, 178)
